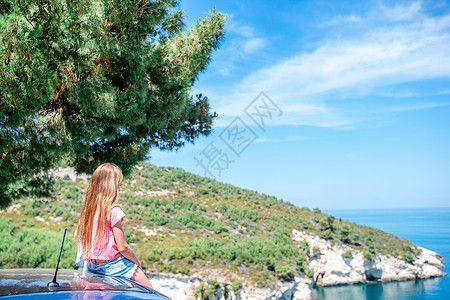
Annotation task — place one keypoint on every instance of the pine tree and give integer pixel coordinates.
(92, 81)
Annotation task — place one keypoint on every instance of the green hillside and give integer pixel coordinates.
(178, 222)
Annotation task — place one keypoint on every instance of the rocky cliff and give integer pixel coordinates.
(332, 268)
(330, 265)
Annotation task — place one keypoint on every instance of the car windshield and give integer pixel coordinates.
(20, 281)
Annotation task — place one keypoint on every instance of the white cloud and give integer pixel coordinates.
(386, 54)
(242, 41)
(399, 12)
(253, 45)
(382, 14)
(243, 30)
(233, 25)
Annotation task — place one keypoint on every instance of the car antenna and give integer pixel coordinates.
(53, 283)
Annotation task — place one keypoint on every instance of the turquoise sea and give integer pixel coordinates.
(426, 227)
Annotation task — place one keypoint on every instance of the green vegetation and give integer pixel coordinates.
(408, 257)
(88, 81)
(193, 223)
(304, 246)
(25, 246)
(368, 255)
(208, 290)
(236, 286)
(200, 291)
(347, 254)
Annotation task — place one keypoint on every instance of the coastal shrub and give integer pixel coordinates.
(304, 224)
(68, 216)
(347, 254)
(284, 272)
(234, 213)
(368, 256)
(411, 249)
(219, 227)
(310, 273)
(262, 284)
(183, 270)
(214, 283)
(327, 223)
(154, 254)
(368, 239)
(169, 267)
(408, 257)
(195, 217)
(203, 190)
(305, 246)
(191, 225)
(344, 234)
(159, 219)
(165, 185)
(132, 235)
(327, 234)
(236, 286)
(211, 288)
(58, 211)
(199, 291)
(354, 237)
(244, 224)
(300, 261)
(73, 193)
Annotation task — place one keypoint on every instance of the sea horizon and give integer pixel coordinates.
(327, 211)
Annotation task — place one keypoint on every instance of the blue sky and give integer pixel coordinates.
(359, 97)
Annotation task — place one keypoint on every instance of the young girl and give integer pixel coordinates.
(99, 228)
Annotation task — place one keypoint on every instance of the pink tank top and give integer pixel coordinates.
(107, 249)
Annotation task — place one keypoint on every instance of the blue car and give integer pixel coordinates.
(32, 284)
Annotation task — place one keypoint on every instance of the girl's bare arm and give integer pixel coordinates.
(122, 245)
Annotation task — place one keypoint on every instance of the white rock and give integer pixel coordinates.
(61, 172)
(303, 290)
(330, 268)
(175, 288)
(429, 257)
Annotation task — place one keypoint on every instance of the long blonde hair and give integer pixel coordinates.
(102, 194)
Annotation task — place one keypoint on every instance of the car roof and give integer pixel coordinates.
(73, 284)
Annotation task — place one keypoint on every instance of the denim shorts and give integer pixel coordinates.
(120, 266)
